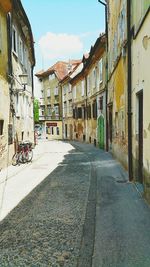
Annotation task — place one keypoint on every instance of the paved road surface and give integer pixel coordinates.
(84, 214)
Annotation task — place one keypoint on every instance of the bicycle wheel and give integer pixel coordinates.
(22, 157)
(15, 159)
(30, 155)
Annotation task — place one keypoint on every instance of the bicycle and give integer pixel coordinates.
(24, 153)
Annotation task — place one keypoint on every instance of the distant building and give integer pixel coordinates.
(88, 93)
(67, 108)
(50, 116)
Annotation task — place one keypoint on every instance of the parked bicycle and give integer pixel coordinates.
(24, 153)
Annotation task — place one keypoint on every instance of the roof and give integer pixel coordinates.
(60, 68)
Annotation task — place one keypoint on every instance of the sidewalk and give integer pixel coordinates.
(16, 182)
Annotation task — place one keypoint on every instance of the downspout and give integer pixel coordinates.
(32, 75)
(129, 36)
(106, 31)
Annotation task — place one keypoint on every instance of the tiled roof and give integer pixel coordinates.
(60, 68)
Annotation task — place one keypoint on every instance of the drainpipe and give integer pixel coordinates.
(106, 32)
(129, 36)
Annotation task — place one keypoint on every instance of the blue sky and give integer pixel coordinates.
(63, 29)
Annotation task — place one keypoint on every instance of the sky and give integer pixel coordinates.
(63, 29)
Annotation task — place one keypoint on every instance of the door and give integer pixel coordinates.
(101, 131)
(66, 131)
(71, 131)
(140, 137)
(110, 125)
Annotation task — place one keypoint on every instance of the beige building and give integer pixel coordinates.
(88, 93)
(75, 67)
(22, 64)
(50, 116)
(117, 80)
(16, 79)
(140, 51)
(5, 7)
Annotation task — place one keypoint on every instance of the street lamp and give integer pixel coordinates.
(24, 80)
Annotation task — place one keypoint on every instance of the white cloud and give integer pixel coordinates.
(61, 45)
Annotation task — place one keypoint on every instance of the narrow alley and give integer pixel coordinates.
(85, 213)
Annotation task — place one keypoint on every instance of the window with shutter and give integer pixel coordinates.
(14, 41)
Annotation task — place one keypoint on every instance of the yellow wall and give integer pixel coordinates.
(4, 90)
(49, 134)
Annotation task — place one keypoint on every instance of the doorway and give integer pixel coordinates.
(66, 131)
(110, 108)
(101, 131)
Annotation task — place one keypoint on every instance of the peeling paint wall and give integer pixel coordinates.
(141, 81)
(4, 90)
(117, 84)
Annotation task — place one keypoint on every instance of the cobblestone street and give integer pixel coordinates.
(45, 229)
(85, 213)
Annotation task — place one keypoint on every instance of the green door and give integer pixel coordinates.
(101, 131)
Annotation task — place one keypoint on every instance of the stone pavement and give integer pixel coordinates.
(45, 229)
(18, 181)
(85, 213)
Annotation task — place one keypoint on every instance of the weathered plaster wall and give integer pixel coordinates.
(141, 81)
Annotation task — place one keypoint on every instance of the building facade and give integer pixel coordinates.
(140, 51)
(117, 80)
(16, 63)
(21, 64)
(67, 97)
(88, 93)
(5, 7)
(50, 116)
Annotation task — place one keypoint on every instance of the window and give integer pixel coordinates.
(56, 91)
(82, 88)
(89, 111)
(49, 113)
(14, 40)
(65, 108)
(18, 111)
(56, 109)
(21, 50)
(1, 126)
(48, 92)
(57, 130)
(69, 88)
(42, 110)
(88, 84)
(101, 70)
(52, 130)
(94, 107)
(25, 58)
(74, 92)
(70, 106)
(83, 112)
(51, 77)
(73, 113)
(65, 90)
(94, 78)
(79, 116)
(101, 103)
